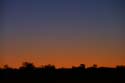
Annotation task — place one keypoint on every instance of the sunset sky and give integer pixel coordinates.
(63, 32)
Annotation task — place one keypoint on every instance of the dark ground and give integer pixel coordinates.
(49, 74)
(61, 81)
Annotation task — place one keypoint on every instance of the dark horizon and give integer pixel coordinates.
(93, 65)
(49, 74)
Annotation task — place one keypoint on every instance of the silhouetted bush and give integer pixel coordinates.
(49, 72)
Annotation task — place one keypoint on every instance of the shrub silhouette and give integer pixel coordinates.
(49, 72)
(27, 66)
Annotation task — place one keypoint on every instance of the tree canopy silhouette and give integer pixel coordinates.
(28, 71)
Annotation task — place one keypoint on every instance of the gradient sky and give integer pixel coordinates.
(63, 32)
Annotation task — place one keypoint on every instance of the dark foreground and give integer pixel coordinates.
(62, 81)
(28, 73)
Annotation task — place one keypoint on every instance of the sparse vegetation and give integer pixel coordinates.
(49, 73)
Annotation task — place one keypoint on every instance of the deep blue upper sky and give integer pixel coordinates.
(61, 16)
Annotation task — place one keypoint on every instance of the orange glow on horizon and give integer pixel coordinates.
(63, 61)
(63, 53)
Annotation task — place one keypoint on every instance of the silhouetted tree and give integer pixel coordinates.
(6, 67)
(49, 66)
(49, 72)
(27, 66)
(94, 66)
(120, 66)
(82, 66)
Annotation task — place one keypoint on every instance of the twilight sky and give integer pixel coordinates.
(63, 32)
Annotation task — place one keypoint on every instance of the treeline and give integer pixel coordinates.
(49, 72)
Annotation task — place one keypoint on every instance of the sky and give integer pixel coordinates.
(63, 32)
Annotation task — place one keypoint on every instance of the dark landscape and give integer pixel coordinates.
(28, 73)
